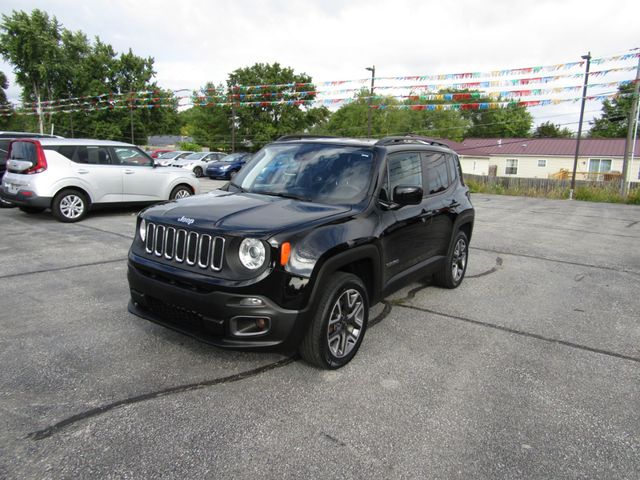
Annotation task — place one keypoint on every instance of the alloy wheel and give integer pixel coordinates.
(345, 323)
(72, 206)
(459, 260)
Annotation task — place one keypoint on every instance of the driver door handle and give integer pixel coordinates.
(128, 171)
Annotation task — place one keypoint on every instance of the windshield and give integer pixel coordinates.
(169, 155)
(331, 174)
(232, 157)
(195, 156)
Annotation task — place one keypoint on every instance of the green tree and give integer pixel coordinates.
(53, 64)
(30, 42)
(207, 122)
(614, 121)
(512, 121)
(352, 119)
(260, 124)
(5, 109)
(551, 130)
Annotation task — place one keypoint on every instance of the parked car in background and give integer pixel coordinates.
(72, 176)
(5, 140)
(228, 166)
(197, 162)
(167, 158)
(159, 151)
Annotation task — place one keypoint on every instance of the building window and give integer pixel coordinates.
(599, 165)
(512, 166)
(542, 163)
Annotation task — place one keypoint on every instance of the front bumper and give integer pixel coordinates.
(215, 317)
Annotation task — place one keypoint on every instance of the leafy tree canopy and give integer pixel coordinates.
(53, 63)
(614, 121)
(551, 130)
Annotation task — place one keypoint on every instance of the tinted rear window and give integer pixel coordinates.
(24, 151)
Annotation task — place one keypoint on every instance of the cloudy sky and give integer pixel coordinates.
(195, 41)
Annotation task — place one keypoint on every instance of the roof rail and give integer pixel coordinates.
(410, 138)
(301, 137)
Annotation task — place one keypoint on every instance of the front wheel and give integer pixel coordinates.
(181, 191)
(70, 206)
(198, 172)
(455, 266)
(339, 323)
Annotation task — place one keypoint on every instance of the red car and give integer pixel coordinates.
(156, 153)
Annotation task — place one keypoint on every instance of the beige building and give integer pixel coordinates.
(599, 159)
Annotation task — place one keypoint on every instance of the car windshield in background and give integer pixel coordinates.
(232, 157)
(195, 156)
(169, 155)
(331, 174)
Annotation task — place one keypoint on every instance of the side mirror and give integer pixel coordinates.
(407, 195)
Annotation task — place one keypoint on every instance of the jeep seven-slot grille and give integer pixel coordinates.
(185, 246)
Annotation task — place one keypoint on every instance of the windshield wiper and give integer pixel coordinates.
(286, 195)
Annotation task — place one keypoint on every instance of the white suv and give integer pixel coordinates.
(70, 176)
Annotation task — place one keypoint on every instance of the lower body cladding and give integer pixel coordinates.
(25, 198)
(220, 318)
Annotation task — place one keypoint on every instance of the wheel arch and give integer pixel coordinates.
(362, 261)
(75, 188)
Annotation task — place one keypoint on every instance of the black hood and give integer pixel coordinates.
(246, 213)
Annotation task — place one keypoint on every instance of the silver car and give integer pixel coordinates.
(70, 176)
(197, 162)
(167, 158)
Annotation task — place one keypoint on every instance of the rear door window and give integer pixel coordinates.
(88, 155)
(437, 172)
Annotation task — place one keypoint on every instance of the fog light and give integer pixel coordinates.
(249, 326)
(251, 302)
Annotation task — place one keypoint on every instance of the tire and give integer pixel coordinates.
(334, 338)
(198, 172)
(181, 191)
(32, 209)
(455, 266)
(70, 206)
(5, 204)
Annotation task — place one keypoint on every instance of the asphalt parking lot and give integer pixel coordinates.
(531, 369)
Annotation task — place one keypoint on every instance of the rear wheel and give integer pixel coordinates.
(5, 204)
(32, 209)
(70, 206)
(452, 272)
(181, 191)
(198, 171)
(339, 323)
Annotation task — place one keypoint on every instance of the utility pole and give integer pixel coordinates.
(631, 130)
(372, 69)
(586, 57)
(233, 120)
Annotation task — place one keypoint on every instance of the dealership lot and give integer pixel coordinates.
(530, 369)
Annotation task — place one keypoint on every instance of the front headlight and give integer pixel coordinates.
(142, 229)
(252, 253)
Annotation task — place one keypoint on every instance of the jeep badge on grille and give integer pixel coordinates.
(186, 220)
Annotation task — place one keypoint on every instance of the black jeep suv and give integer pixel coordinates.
(305, 238)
